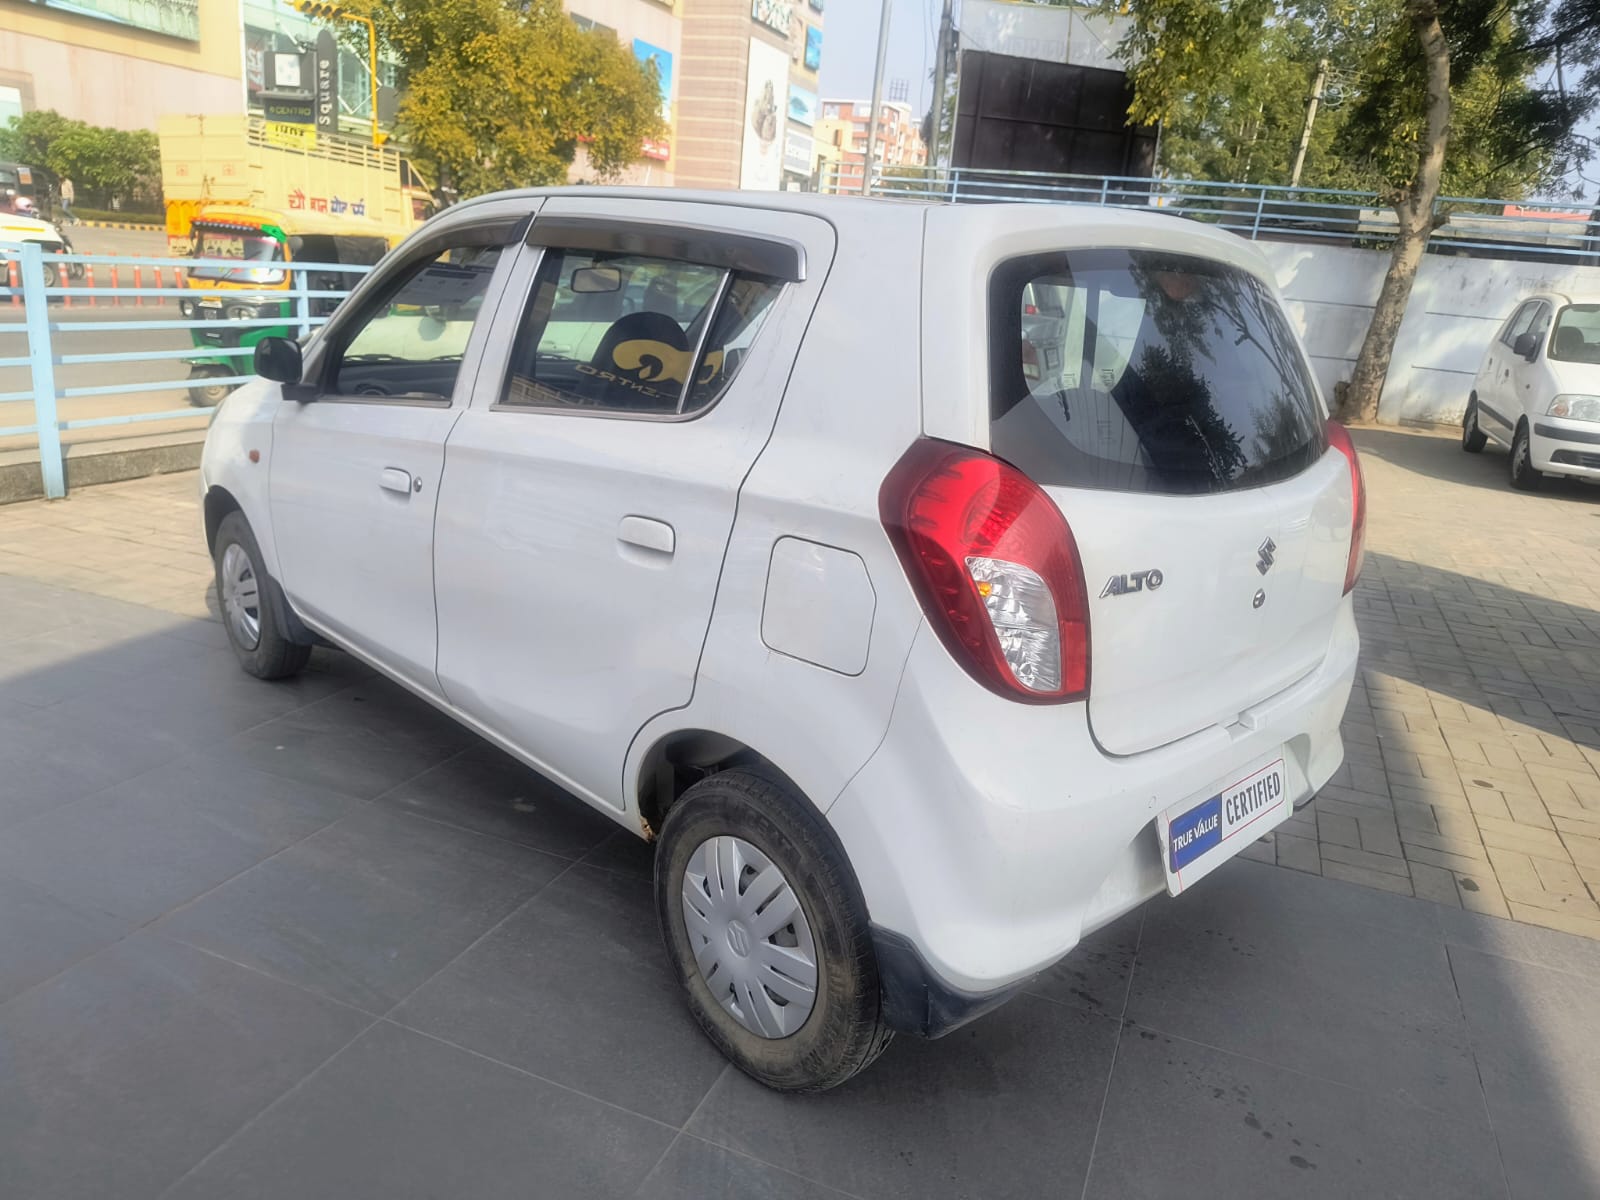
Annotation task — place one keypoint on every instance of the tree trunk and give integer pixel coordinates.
(1415, 223)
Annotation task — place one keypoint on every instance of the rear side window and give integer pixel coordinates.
(1143, 371)
(615, 333)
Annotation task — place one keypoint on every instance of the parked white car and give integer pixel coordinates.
(920, 647)
(1538, 390)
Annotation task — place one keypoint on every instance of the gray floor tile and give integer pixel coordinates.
(401, 1115)
(367, 909)
(1005, 1107)
(339, 747)
(561, 987)
(123, 1072)
(624, 851)
(490, 792)
(139, 849)
(1534, 1030)
(39, 936)
(694, 1170)
(1562, 1167)
(1508, 939)
(1292, 894)
(1096, 974)
(1321, 995)
(45, 762)
(1187, 1120)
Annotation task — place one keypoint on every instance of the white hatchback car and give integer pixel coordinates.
(1537, 391)
(923, 633)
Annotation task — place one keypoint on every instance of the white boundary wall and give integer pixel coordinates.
(1455, 308)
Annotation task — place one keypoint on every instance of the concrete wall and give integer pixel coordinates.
(1455, 308)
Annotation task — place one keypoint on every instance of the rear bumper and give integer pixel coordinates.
(990, 837)
(1566, 447)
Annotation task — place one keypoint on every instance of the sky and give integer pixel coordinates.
(850, 44)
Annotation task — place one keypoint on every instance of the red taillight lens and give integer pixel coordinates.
(995, 567)
(1339, 439)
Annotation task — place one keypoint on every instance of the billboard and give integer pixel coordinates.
(774, 14)
(797, 150)
(174, 18)
(813, 48)
(802, 106)
(766, 90)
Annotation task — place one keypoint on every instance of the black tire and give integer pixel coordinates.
(1523, 476)
(1473, 439)
(208, 395)
(844, 1032)
(273, 656)
(52, 276)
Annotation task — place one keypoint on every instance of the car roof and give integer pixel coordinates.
(1088, 224)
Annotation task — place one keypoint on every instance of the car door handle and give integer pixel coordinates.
(395, 480)
(647, 534)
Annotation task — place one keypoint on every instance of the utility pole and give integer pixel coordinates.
(1311, 115)
(877, 98)
(941, 66)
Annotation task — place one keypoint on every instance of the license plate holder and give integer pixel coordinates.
(1198, 836)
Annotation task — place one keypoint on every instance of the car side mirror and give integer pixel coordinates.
(1526, 346)
(278, 359)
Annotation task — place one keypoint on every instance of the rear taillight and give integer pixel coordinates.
(1339, 439)
(995, 567)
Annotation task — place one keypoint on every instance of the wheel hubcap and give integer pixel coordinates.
(241, 596)
(751, 941)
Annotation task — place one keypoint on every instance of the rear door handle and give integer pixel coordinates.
(647, 533)
(395, 480)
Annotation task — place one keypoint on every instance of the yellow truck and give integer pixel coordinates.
(230, 158)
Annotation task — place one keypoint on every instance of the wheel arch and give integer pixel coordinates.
(678, 759)
(219, 502)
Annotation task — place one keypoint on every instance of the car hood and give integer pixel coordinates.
(1574, 377)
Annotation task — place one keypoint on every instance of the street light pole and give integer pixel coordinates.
(372, 72)
(1311, 115)
(877, 98)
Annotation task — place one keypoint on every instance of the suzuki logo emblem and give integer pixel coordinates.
(1264, 555)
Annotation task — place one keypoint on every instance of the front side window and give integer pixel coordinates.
(1577, 334)
(627, 333)
(1134, 370)
(1518, 325)
(411, 344)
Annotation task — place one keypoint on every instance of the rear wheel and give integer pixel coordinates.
(1473, 439)
(249, 605)
(767, 931)
(1523, 475)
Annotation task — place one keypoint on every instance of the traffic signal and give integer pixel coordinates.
(314, 8)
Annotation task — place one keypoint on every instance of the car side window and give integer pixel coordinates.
(620, 333)
(1518, 325)
(411, 343)
(1540, 324)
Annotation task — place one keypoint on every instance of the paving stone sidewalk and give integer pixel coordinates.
(1473, 735)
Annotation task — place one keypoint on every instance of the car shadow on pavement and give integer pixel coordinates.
(1443, 458)
(312, 938)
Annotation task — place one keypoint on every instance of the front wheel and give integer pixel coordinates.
(1523, 475)
(249, 605)
(208, 395)
(767, 930)
(1473, 439)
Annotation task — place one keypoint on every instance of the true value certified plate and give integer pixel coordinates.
(1197, 837)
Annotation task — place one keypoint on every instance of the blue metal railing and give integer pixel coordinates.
(34, 284)
(1566, 233)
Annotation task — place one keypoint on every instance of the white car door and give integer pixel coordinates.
(1526, 374)
(588, 500)
(1497, 410)
(358, 449)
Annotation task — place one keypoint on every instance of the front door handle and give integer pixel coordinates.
(395, 480)
(647, 533)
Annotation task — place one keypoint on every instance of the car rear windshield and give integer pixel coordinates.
(1577, 334)
(1144, 371)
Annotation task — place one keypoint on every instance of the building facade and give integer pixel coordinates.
(121, 63)
(842, 142)
(747, 102)
(654, 31)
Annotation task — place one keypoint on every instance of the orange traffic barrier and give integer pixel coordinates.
(116, 300)
(14, 283)
(138, 282)
(88, 279)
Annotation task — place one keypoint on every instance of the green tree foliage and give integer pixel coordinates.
(1230, 81)
(111, 164)
(501, 93)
